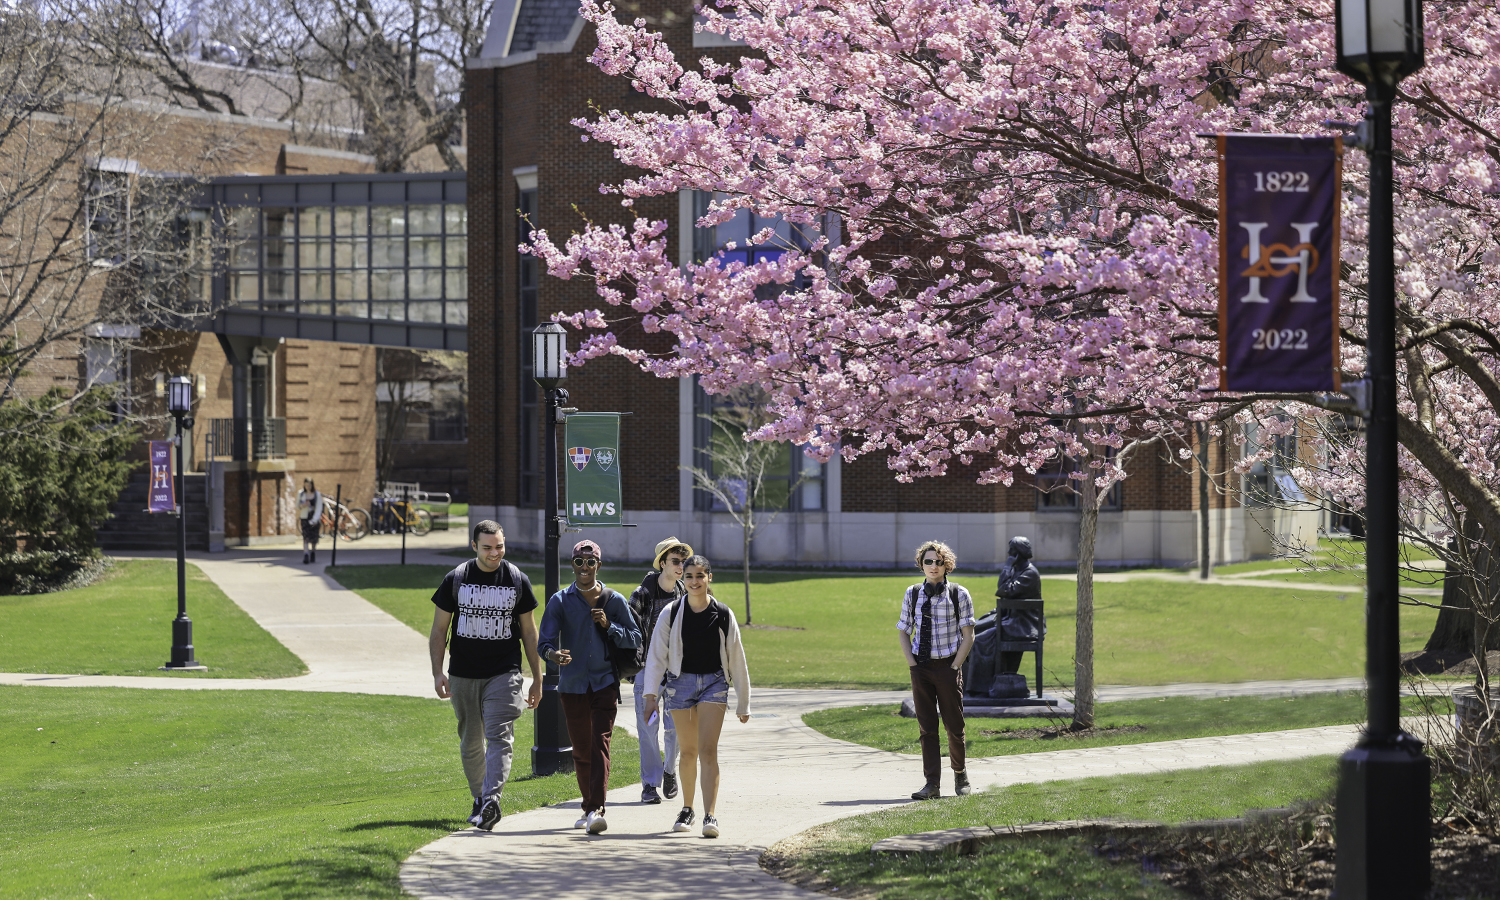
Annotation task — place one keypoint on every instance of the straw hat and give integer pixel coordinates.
(663, 547)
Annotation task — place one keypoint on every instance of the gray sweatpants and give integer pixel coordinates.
(487, 709)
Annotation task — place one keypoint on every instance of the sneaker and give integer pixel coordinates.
(489, 814)
(583, 822)
(710, 826)
(961, 784)
(313, 556)
(304, 557)
(931, 791)
(684, 821)
(474, 813)
(669, 785)
(649, 794)
(596, 823)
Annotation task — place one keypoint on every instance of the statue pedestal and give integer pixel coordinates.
(1044, 707)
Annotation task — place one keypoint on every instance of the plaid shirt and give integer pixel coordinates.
(947, 622)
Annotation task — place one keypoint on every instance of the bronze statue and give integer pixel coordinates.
(1019, 580)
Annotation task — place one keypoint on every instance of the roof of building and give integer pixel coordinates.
(540, 21)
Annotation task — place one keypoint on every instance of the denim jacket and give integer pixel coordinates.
(568, 624)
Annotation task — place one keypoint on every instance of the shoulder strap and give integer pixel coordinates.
(458, 579)
(514, 573)
(722, 615)
(953, 599)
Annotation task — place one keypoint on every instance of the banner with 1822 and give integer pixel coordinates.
(593, 469)
(1279, 262)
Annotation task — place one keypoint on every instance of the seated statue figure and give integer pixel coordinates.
(1019, 580)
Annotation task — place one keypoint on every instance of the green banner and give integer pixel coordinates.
(593, 467)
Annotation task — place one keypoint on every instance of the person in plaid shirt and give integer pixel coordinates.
(937, 633)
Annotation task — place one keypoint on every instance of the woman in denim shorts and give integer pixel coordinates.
(696, 648)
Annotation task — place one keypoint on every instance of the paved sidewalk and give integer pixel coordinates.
(780, 778)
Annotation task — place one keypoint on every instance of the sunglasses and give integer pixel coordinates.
(932, 562)
(673, 561)
(585, 562)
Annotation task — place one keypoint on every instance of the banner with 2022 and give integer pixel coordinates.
(1279, 262)
(593, 471)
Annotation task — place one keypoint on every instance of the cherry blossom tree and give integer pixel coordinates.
(1005, 223)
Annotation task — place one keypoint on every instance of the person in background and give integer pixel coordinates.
(579, 624)
(696, 641)
(661, 586)
(937, 633)
(487, 605)
(310, 517)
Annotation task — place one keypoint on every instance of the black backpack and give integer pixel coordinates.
(627, 662)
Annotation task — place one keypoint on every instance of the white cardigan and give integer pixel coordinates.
(666, 656)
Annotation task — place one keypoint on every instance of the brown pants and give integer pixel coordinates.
(937, 687)
(591, 723)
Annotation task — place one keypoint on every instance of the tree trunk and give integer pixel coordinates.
(1205, 561)
(1083, 650)
(745, 556)
(1458, 633)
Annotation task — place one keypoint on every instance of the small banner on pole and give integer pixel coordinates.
(1279, 262)
(593, 469)
(161, 495)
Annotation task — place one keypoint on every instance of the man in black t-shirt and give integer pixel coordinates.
(484, 621)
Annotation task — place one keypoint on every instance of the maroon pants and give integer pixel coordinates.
(591, 723)
(937, 688)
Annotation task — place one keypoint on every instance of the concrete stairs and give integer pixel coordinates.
(130, 527)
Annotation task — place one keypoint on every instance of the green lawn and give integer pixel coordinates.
(123, 626)
(1052, 868)
(1163, 719)
(135, 793)
(838, 630)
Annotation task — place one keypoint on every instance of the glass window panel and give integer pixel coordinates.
(424, 251)
(424, 219)
(245, 255)
(314, 254)
(278, 286)
(458, 284)
(351, 253)
(351, 286)
(353, 310)
(244, 287)
(244, 221)
(388, 251)
(316, 309)
(425, 284)
(387, 284)
(351, 220)
(424, 312)
(387, 220)
(278, 221)
(458, 313)
(388, 311)
(315, 221)
(457, 219)
(458, 251)
(316, 286)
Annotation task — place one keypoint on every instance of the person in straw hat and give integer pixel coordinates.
(661, 586)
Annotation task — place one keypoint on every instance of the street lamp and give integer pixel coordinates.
(553, 752)
(180, 405)
(1384, 839)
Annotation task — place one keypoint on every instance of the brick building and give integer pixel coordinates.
(532, 79)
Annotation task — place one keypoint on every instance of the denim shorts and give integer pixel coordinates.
(688, 690)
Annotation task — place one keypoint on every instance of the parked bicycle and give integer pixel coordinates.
(392, 516)
(352, 522)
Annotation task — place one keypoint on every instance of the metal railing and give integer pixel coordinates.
(262, 437)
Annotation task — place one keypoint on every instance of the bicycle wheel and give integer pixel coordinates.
(325, 526)
(421, 522)
(356, 524)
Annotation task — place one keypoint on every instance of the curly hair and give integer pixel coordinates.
(945, 554)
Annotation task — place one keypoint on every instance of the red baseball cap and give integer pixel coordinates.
(585, 547)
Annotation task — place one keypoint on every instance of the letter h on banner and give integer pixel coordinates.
(1279, 199)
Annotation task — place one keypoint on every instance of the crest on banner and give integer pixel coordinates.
(579, 457)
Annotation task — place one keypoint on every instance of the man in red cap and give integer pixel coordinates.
(579, 624)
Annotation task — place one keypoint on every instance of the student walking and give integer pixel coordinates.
(484, 620)
(580, 625)
(310, 518)
(696, 640)
(937, 633)
(661, 586)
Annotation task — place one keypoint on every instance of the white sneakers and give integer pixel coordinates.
(596, 823)
(582, 823)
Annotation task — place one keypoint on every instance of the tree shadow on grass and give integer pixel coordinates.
(349, 871)
(439, 824)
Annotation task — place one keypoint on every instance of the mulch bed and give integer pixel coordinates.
(1292, 858)
(1053, 732)
(1456, 662)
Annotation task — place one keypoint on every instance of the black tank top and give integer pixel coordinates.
(700, 641)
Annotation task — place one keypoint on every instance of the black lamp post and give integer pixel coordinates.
(553, 752)
(1384, 837)
(180, 405)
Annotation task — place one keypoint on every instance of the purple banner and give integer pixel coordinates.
(160, 496)
(1279, 262)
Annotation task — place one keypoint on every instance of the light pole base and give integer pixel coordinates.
(1384, 818)
(551, 761)
(188, 667)
(182, 646)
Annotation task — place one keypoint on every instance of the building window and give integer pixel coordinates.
(793, 481)
(107, 208)
(1057, 492)
(528, 279)
(732, 241)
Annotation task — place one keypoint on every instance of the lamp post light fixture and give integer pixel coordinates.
(180, 405)
(1384, 837)
(553, 751)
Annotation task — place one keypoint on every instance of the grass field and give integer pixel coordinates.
(838, 630)
(1068, 870)
(1163, 719)
(135, 793)
(123, 626)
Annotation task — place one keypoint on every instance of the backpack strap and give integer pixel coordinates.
(458, 579)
